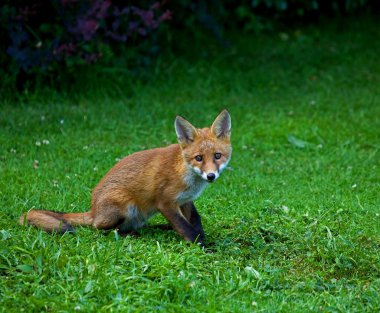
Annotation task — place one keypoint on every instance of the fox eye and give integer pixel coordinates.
(218, 155)
(198, 158)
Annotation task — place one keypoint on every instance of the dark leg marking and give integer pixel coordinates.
(183, 226)
(190, 212)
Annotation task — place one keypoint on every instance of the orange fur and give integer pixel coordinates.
(164, 180)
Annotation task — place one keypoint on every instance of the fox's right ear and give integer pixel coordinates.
(185, 131)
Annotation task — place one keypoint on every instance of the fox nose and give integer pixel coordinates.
(210, 176)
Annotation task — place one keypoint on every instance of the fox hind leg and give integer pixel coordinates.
(125, 221)
(108, 217)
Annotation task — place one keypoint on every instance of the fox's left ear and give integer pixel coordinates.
(222, 125)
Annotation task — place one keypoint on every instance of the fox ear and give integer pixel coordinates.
(185, 131)
(222, 125)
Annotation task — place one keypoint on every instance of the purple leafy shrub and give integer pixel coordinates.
(47, 35)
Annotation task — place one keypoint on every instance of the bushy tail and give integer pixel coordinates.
(53, 221)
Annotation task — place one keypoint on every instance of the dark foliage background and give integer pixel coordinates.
(47, 40)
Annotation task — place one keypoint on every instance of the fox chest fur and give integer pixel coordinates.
(194, 187)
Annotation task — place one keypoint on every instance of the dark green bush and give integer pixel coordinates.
(48, 38)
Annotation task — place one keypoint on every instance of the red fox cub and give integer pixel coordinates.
(165, 180)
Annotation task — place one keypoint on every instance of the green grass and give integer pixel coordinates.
(294, 222)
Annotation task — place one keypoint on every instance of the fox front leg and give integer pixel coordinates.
(181, 225)
(190, 212)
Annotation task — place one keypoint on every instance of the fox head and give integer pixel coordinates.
(206, 151)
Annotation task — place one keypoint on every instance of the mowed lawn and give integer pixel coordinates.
(293, 225)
